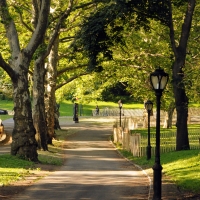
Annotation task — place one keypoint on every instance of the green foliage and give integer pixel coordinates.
(102, 29)
(40, 50)
(116, 92)
(159, 9)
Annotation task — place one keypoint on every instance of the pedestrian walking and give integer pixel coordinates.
(97, 110)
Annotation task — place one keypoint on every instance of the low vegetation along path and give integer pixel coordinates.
(93, 170)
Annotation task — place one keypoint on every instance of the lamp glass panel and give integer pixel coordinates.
(163, 82)
(155, 82)
(149, 106)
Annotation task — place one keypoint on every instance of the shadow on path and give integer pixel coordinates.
(93, 170)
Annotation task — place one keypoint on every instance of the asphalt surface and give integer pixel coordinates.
(93, 170)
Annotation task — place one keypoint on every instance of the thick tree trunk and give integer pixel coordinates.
(50, 115)
(50, 100)
(23, 144)
(181, 102)
(23, 138)
(181, 99)
(39, 118)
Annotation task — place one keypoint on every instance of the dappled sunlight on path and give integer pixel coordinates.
(93, 170)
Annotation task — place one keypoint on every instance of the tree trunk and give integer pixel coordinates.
(23, 144)
(181, 99)
(181, 102)
(50, 100)
(170, 114)
(145, 119)
(23, 138)
(39, 118)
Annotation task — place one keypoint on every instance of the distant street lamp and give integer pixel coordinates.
(120, 112)
(158, 80)
(148, 106)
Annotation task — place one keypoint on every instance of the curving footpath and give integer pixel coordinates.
(93, 169)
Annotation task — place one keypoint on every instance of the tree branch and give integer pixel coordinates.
(187, 24)
(57, 28)
(71, 79)
(10, 28)
(7, 68)
(40, 30)
(23, 23)
(171, 29)
(69, 69)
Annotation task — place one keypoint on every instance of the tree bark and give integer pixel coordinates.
(23, 137)
(170, 114)
(23, 144)
(181, 99)
(50, 100)
(39, 118)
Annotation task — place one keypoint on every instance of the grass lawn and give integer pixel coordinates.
(13, 168)
(183, 167)
(66, 107)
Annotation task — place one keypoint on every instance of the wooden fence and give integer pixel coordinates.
(137, 144)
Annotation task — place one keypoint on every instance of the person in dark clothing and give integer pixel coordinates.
(97, 110)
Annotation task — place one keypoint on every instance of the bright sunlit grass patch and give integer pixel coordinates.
(66, 107)
(55, 154)
(13, 169)
(184, 168)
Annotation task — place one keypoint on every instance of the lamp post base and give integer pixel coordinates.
(157, 177)
(148, 149)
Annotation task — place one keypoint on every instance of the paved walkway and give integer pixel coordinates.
(93, 169)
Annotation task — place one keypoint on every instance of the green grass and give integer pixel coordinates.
(183, 167)
(6, 105)
(13, 168)
(66, 107)
(168, 137)
(144, 131)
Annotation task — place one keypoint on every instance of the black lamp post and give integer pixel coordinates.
(120, 112)
(148, 106)
(158, 80)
